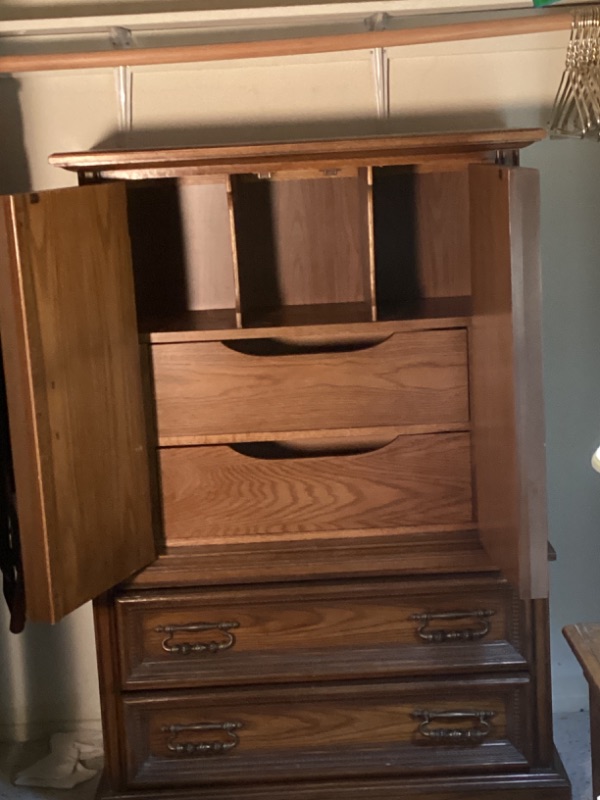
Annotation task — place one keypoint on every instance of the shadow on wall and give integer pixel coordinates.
(36, 667)
(273, 131)
(14, 169)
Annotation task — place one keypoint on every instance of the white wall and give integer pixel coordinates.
(48, 675)
(571, 257)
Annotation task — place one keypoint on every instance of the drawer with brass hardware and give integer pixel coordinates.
(326, 632)
(277, 491)
(231, 388)
(327, 730)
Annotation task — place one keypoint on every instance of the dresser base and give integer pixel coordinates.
(535, 785)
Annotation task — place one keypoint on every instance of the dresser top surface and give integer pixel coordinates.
(408, 149)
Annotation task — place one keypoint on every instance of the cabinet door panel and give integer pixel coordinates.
(506, 378)
(71, 356)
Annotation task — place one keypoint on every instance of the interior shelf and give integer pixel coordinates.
(299, 249)
(332, 320)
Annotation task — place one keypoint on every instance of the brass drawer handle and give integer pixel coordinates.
(185, 648)
(479, 731)
(213, 748)
(439, 635)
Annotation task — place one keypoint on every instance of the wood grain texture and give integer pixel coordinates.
(517, 785)
(333, 320)
(304, 632)
(107, 653)
(207, 241)
(183, 253)
(23, 422)
(301, 242)
(322, 731)
(595, 736)
(442, 208)
(433, 550)
(537, 627)
(75, 398)
(324, 536)
(264, 157)
(209, 388)
(217, 493)
(269, 48)
(584, 640)
(421, 228)
(506, 381)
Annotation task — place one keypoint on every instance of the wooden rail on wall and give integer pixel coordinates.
(540, 22)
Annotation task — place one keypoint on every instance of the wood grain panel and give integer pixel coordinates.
(506, 379)
(302, 632)
(107, 652)
(429, 550)
(328, 320)
(421, 227)
(584, 640)
(519, 784)
(183, 253)
(208, 246)
(442, 209)
(324, 731)
(72, 364)
(216, 492)
(264, 156)
(208, 388)
(301, 242)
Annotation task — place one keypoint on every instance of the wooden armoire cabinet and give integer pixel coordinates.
(278, 409)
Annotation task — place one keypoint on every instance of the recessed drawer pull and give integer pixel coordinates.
(438, 635)
(475, 734)
(215, 747)
(279, 451)
(185, 648)
(287, 347)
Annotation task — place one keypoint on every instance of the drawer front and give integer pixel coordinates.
(176, 640)
(208, 388)
(218, 493)
(333, 731)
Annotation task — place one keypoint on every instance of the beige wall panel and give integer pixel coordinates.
(253, 94)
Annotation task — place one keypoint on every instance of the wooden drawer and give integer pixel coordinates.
(274, 491)
(295, 633)
(206, 389)
(315, 731)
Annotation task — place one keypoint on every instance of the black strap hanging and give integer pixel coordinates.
(10, 551)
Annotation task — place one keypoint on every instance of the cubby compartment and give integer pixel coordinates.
(183, 253)
(300, 247)
(304, 247)
(421, 241)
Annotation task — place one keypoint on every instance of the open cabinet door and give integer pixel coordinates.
(74, 388)
(506, 374)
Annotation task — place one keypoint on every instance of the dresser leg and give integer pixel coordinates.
(595, 736)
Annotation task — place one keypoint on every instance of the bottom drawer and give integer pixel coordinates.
(315, 731)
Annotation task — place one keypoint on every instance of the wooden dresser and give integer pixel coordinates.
(325, 473)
